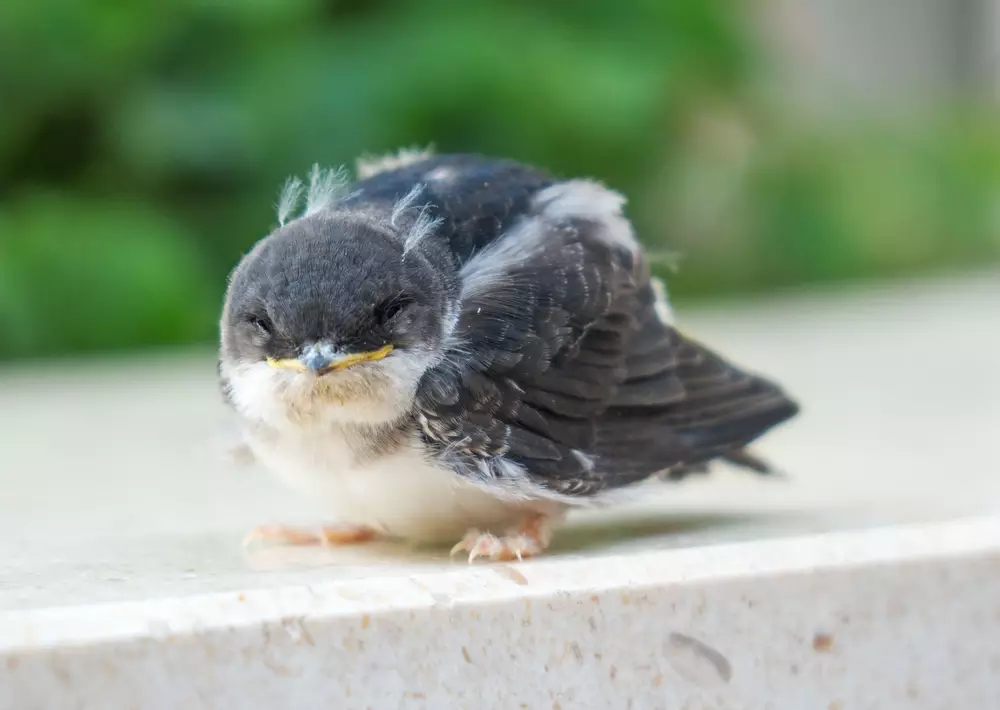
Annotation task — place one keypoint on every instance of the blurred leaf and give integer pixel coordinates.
(183, 131)
(88, 276)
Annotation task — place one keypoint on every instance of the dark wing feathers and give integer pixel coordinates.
(564, 367)
(480, 199)
(529, 335)
(707, 409)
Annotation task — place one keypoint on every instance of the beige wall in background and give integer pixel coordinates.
(892, 56)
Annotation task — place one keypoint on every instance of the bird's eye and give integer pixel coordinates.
(388, 310)
(261, 324)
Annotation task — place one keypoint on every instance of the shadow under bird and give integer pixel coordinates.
(458, 348)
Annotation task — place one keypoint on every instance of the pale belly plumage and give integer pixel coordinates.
(401, 494)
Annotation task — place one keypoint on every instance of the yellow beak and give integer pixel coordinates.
(316, 361)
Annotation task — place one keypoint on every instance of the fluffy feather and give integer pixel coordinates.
(288, 202)
(326, 186)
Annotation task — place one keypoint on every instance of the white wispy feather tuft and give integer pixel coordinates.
(670, 259)
(291, 196)
(326, 186)
(368, 165)
(422, 226)
(405, 203)
(662, 303)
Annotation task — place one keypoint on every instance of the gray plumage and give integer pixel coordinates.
(532, 353)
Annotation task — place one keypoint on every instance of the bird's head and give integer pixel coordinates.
(331, 309)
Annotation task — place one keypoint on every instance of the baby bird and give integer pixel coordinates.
(459, 348)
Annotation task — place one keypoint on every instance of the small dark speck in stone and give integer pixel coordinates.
(823, 643)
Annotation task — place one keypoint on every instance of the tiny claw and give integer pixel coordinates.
(466, 543)
(526, 543)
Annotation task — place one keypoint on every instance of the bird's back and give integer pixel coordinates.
(476, 199)
(623, 395)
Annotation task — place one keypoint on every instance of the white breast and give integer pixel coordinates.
(317, 435)
(401, 494)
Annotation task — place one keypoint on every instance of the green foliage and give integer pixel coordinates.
(804, 206)
(142, 145)
(88, 275)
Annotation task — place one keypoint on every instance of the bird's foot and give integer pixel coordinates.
(528, 540)
(323, 536)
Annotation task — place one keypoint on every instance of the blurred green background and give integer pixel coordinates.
(142, 145)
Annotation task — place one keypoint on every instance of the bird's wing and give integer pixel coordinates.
(563, 378)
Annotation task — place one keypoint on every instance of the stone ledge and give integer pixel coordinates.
(898, 616)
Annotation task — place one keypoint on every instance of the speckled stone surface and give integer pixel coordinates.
(869, 579)
(901, 617)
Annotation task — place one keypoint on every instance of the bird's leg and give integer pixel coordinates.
(324, 535)
(529, 539)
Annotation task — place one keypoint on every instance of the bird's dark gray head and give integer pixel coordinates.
(326, 292)
(331, 307)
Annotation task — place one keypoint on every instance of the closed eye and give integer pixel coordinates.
(388, 310)
(261, 324)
